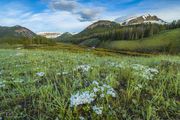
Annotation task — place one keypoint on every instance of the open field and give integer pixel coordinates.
(61, 84)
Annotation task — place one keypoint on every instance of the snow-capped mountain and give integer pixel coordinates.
(49, 34)
(140, 19)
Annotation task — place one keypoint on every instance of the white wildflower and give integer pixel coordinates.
(81, 118)
(106, 86)
(95, 82)
(138, 67)
(102, 88)
(64, 73)
(18, 81)
(97, 110)
(58, 73)
(18, 48)
(40, 74)
(139, 85)
(95, 89)
(84, 68)
(116, 64)
(19, 54)
(102, 95)
(111, 92)
(2, 84)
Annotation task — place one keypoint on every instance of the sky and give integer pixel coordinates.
(75, 15)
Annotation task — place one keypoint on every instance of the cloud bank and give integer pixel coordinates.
(75, 15)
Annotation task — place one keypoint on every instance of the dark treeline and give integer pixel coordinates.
(27, 41)
(175, 24)
(134, 32)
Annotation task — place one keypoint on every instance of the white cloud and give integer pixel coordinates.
(47, 20)
(86, 12)
(168, 14)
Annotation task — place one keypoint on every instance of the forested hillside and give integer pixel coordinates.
(114, 36)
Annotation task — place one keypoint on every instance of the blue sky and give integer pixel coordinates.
(75, 15)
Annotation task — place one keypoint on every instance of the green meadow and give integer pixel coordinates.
(66, 85)
(165, 41)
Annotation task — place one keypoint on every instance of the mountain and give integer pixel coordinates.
(102, 23)
(15, 32)
(64, 36)
(49, 34)
(140, 19)
(97, 28)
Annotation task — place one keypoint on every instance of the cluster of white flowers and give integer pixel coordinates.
(40, 74)
(97, 110)
(87, 97)
(149, 73)
(144, 71)
(84, 68)
(82, 98)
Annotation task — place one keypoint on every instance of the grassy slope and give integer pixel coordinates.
(157, 42)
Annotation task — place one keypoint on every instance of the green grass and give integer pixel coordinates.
(168, 41)
(25, 95)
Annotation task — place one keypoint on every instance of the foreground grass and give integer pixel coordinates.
(37, 84)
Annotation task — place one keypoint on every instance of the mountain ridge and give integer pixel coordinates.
(147, 18)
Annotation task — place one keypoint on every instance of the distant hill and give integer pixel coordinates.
(64, 36)
(15, 32)
(21, 35)
(167, 41)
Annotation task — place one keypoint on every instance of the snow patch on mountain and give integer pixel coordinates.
(49, 34)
